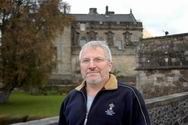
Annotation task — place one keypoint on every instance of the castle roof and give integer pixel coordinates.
(105, 18)
(109, 16)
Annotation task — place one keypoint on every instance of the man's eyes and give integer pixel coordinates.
(95, 60)
(85, 61)
(98, 60)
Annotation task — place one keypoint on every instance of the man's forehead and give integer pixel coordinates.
(93, 53)
(95, 49)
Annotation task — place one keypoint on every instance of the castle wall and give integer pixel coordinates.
(124, 61)
(163, 65)
(162, 82)
(63, 69)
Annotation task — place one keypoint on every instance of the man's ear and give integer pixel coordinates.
(110, 66)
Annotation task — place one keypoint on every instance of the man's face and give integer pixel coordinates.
(94, 65)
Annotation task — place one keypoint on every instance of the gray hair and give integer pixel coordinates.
(94, 44)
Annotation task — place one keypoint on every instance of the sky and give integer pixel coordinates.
(157, 16)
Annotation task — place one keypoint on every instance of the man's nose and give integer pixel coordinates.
(91, 64)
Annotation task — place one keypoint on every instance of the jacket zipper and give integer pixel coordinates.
(87, 112)
(85, 120)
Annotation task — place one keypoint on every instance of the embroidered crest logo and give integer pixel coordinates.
(110, 110)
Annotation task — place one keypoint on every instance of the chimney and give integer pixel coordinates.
(106, 10)
(93, 11)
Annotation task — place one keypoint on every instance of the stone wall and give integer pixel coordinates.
(163, 65)
(125, 65)
(153, 83)
(163, 52)
(164, 110)
(169, 110)
(63, 56)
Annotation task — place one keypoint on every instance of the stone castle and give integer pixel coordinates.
(122, 32)
(156, 66)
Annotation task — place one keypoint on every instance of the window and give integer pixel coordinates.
(110, 38)
(127, 38)
(82, 27)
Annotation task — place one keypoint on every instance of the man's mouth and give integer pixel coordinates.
(92, 73)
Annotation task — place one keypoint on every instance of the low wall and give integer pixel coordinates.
(169, 110)
(45, 121)
(164, 110)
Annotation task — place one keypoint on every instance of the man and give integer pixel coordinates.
(101, 99)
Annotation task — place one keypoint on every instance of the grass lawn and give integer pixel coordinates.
(22, 104)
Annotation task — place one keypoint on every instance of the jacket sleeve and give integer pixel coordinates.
(140, 114)
(62, 119)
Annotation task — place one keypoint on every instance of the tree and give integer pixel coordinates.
(64, 7)
(28, 29)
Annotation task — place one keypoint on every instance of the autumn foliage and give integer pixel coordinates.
(27, 50)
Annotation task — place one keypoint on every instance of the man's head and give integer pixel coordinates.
(95, 62)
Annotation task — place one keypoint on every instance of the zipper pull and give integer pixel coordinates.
(85, 121)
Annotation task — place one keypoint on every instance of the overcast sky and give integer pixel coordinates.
(157, 16)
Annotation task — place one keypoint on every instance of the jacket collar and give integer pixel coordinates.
(110, 85)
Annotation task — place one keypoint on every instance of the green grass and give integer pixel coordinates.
(22, 104)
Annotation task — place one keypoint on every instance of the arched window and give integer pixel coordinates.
(110, 38)
(127, 38)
